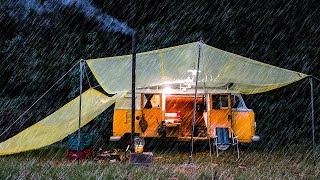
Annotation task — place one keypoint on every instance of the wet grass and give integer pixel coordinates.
(254, 163)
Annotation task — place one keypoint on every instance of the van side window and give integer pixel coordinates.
(224, 101)
(215, 102)
(151, 101)
(235, 101)
(219, 101)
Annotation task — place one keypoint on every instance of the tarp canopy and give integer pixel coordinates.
(59, 124)
(218, 69)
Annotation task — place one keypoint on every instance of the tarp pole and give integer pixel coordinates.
(133, 94)
(313, 125)
(195, 103)
(80, 101)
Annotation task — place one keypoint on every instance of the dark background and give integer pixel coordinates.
(38, 49)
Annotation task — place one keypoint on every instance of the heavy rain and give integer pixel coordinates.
(228, 89)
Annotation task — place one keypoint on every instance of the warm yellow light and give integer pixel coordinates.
(189, 80)
(193, 71)
(167, 90)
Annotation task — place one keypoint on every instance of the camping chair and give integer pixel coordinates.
(224, 138)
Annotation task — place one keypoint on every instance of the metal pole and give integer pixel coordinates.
(195, 103)
(133, 93)
(80, 101)
(312, 117)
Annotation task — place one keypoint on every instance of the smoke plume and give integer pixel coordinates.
(23, 9)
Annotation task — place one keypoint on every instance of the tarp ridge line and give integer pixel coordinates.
(252, 61)
(143, 53)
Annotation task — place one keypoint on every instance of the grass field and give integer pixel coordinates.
(291, 162)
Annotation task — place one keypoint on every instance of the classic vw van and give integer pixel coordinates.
(169, 113)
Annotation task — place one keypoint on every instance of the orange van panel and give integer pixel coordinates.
(153, 117)
(122, 122)
(243, 125)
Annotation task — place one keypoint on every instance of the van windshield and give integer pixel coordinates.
(237, 102)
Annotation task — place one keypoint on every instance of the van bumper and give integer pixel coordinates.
(115, 138)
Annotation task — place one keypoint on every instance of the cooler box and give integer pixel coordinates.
(84, 154)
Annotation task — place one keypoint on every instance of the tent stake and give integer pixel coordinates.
(312, 118)
(80, 101)
(133, 93)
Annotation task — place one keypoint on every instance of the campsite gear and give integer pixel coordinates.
(138, 145)
(84, 154)
(138, 149)
(312, 118)
(225, 138)
(226, 79)
(144, 158)
(82, 63)
(59, 124)
(102, 155)
(133, 83)
(218, 68)
(222, 73)
(86, 141)
(162, 130)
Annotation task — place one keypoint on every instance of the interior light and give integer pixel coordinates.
(172, 82)
(167, 90)
(193, 71)
(189, 80)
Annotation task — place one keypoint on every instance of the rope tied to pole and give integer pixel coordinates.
(38, 99)
(88, 80)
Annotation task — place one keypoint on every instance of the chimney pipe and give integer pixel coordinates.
(133, 93)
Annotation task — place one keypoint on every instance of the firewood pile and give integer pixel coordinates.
(112, 156)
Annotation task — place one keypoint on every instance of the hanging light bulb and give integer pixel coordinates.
(167, 90)
(189, 80)
(193, 71)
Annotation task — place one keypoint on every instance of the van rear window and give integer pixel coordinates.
(151, 101)
(219, 101)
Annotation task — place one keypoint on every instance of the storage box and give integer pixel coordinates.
(144, 158)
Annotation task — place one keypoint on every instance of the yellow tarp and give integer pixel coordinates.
(170, 65)
(59, 124)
